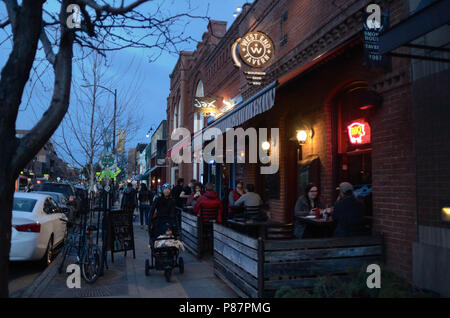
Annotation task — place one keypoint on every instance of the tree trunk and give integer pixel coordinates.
(6, 203)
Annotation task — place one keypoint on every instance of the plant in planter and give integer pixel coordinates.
(354, 285)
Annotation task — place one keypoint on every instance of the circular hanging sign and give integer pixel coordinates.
(256, 49)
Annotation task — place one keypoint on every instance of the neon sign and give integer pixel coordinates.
(359, 132)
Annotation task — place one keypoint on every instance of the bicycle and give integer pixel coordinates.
(87, 252)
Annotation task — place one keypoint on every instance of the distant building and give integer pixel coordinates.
(131, 163)
(47, 162)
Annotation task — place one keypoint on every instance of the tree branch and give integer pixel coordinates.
(51, 119)
(107, 8)
(49, 54)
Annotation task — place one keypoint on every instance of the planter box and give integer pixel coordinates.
(257, 268)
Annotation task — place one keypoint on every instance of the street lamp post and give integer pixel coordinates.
(114, 124)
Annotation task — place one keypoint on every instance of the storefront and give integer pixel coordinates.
(338, 118)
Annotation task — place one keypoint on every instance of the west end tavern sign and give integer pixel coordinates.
(256, 50)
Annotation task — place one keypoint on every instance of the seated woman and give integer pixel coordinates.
(167, 239)
(306, 205)
(195, 195)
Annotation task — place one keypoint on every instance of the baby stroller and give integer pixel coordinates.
(163, 258)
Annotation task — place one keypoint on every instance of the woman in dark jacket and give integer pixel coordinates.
(129, 199)
(306, 205)
(162, 211)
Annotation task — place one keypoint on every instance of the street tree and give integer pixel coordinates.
(75, 27)
(87, 127)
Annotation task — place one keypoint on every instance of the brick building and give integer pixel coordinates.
(317, 81)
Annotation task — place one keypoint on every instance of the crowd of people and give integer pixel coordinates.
(347, 213)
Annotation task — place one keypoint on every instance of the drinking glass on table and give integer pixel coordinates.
(327, 212)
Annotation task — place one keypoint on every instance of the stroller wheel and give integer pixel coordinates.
(147, 267)
(168, 274)
(181, 265)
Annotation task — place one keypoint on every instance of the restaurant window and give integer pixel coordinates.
(354, 143)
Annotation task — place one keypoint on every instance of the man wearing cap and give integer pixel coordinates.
(348, 213)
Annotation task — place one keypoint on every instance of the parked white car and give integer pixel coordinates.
(36, 227)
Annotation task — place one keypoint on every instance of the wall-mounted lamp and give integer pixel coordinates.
(265, 145)
(159, 180)
(445, 213)
(303, 135)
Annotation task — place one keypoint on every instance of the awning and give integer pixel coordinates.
(429, 16)
(144, 175)
(257, 104)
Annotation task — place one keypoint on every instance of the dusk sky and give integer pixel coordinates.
(128, 66)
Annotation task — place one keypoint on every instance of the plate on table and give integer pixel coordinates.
(310, 216)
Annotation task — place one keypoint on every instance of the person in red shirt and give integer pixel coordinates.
(210, 201)
(235, 195)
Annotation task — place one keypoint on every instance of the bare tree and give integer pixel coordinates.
(81, 134)
(104, 27)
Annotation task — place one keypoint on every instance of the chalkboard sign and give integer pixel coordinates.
(121, 231)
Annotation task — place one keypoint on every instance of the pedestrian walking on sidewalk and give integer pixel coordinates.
(145, 198)
(129, 199)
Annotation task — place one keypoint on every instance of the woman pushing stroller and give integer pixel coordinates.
(165, 208)
(163, 232)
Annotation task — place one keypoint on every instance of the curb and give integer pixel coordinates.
(42, 281)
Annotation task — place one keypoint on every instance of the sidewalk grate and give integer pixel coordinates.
(93, 292)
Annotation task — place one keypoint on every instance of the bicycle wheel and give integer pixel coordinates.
(90, 265)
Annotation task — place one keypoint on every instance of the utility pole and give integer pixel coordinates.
(114, 131)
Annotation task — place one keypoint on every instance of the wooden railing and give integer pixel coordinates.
(257, 267)
(191, 233)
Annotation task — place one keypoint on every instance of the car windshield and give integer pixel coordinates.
(24, 204)
(60, 188)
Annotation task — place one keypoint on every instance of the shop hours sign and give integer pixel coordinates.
(374, 23)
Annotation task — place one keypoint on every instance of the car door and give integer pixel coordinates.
(58, 225)
(46, 219)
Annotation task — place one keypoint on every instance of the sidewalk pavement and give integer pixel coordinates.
(126, 278)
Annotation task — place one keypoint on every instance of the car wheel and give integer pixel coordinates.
(48, 256)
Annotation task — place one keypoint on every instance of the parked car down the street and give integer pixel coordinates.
(37, 229)
(64, 188)
(62, 202)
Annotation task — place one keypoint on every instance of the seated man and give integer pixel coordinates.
(250, 198)
(251, 201)
(209, 201)
(348, 213)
